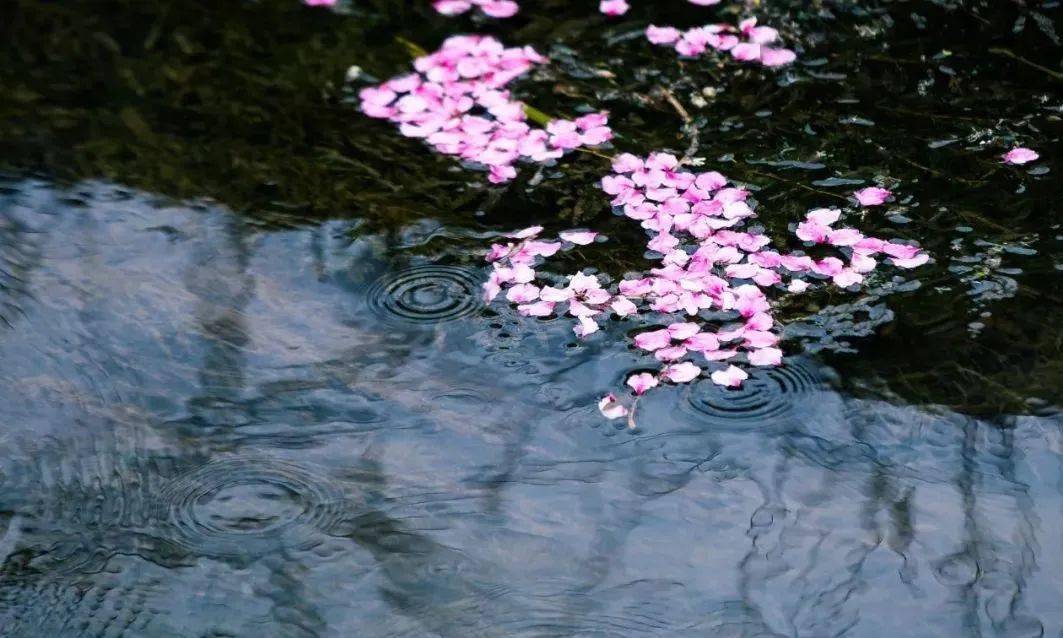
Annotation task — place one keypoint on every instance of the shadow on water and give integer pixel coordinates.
(248, 384)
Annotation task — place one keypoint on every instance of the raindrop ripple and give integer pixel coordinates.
(426, 294)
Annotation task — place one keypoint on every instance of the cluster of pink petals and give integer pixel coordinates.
(457, 102)
(582, 296)
(709, 262)
(747, 43)
(320, 3)
(492, 8)
(1020, 156)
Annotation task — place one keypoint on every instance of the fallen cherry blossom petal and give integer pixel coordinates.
(579, 237)
(586, 326)
(654, 340)
(523, 293)
(531, 231)
(683, 331)
(537, 309)
(681, 372)
(1020, 155)
(872, 196)
(766, 357)
(910, 262)
(642, 382)
(731, 377)
(611, 408)
(662, 35)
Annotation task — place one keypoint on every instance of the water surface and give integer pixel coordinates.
(248, 387)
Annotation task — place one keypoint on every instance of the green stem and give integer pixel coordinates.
(411, 47)
(537, 116)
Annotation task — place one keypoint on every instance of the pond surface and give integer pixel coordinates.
(248, 386)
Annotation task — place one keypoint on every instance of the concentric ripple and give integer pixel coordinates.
(769, 396)
(245, 507)
(426, 294)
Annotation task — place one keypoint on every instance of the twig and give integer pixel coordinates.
(689, 126)
(668, 95)
(631, 415)
(798, 184)
(1044, 69)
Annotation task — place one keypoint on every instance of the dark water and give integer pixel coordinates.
(248, 388)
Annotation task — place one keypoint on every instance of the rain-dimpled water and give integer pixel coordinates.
(250, 384)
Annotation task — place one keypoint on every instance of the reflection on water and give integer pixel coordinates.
(426, 294)
(214, 429)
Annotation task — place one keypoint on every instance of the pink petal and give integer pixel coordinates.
(537, 309)
(522, 274)
(582, 283)
(491, 290)
(682, 331)
(671, 353)
(624, 307)
(681, 372)
(555, 295)
(720, 355)
(746, 51)
(872, 196)
(847, 277)
(732, 377)
(823, 216)
(523, 293)
(760, 338)
(828, 266)
(586, 326)
(913, 262)
(662, 35)
(760, 321)
(543, 248)
(776, 57)
(654, 340)
(611, 408)
(1020, 155)
(614, 7)
(579, 237)
(844, 237)
(626, 163)
(766, 357)
(578, 309)
(501, 174)
(642, 382)
(900, 251)
(500, 8)
(446, 7)
(532, 231)
(702, 342)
